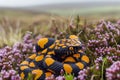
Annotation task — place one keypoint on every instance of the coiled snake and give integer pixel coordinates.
(53, 56)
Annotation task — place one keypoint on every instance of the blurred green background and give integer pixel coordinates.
(44, 17)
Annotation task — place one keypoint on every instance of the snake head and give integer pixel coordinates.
(67, 47)
(73, 41)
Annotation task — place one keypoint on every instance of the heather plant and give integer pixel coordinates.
(113, 72)
(102, 46)
(101, 42)
(11, 57)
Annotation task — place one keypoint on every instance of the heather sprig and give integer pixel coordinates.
(113, 72)
(11, 57)
(9, 75)
(82, 75)
(101, 43)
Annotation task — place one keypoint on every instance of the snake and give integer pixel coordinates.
(52, 56)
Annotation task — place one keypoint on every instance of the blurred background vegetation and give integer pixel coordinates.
(52, 19)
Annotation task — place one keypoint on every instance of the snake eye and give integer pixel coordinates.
(71, 48)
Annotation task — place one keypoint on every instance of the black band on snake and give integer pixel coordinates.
(53, 56)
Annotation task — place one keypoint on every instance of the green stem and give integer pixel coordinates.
(104, 60)
(92, 78)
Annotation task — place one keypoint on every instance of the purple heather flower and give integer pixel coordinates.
(27, 38)
(1, 78)
(75, 78)
(82, 74)
(16, 77)
(60, 78)
(11, 57)
(12, 72)
(9, 74)
(113, 72)
(6, 74)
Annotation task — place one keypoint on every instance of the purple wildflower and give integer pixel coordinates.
(113, 72)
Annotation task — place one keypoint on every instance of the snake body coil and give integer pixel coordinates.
(54, 55)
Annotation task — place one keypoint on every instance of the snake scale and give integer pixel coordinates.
(52, 56)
